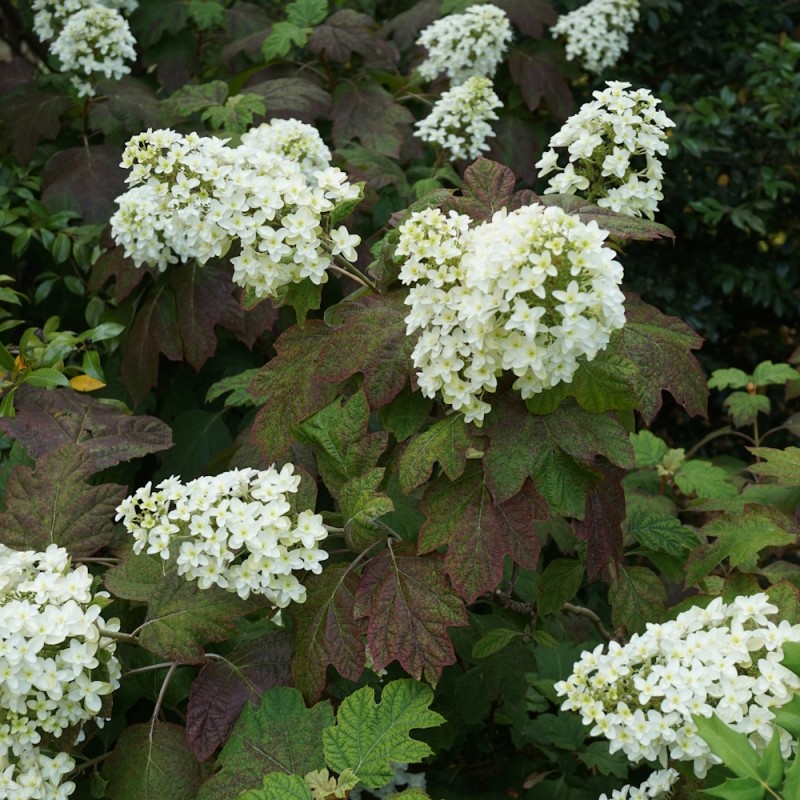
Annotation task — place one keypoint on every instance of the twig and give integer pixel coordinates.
(148, 668)
(160, 699)
(582, 611)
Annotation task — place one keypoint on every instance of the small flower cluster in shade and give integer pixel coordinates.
(723, 659)
(56, 665)
(236, 530)
(530, 292)
(460, 119)
(597, 33)
(464, 45)
(613, 143)
(467, 48)
(91, 38)
(193, 197)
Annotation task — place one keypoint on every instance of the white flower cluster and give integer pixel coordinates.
(658, 785)
(460, 119)
(193, 197)
(236, 530)
(91, 38)
(55, 667)
(597, 33)
(465, 45)
(531, 291)
(722, 659)
(613, 143)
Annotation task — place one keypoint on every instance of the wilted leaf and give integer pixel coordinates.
(47, 420)
(478, 533)
(409, 606)
(152, 761)
(637, 597)
(223, 687)
(281, 735)
(369, 737)
(53, 503)
(372, 334)
(326, 632)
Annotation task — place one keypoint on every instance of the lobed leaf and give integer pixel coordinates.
(662, 533)
(279, 786)
(637, 597)
(704, 479)
(361, 504)
(346, 32)
(783, 465)
(539, 74)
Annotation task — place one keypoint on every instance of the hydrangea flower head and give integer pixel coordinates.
(460, 119)
(723, 659)
(530, 292)
(50, 15)
(236, 530)
(597, 33)
(465, 45)
(613, 145)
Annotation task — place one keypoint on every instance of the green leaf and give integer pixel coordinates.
(637, 597)
(152, 761)
(732, 747)
(181, 617)
(409, 605)
(791, 786)
(236, 387)
(206, 14)
(769, 374)
(738, 789)
(662, 533)
(791, 657)
(788, 715)
(406, 413)
(770, 766)
(361, 504)
(199, 437)
(302, 297)
(45, 378)
(307, 13)
(341, 211)
(279, 786)
(493, 642)
(728, 379)
(479, 533)
(745, 407)
(783, 465)
(704, 479)
(343, 447)
(739, 537)
(191, 98)
(368, 736)
(648, 449)
(558, 584)
(446, 442)
(281, 735)
(282, 37)
(7, 361)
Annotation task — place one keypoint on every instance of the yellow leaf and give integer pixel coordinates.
(85, 383)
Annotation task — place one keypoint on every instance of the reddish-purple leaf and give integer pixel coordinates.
(129, 105)
(404, 27)
(53, 503)
(371, 339)
(222, 688)
(290, 388)
(367, 112)
(30, 115)
(291, 97)
(479, 534)
(530, 16)
(326, 632)
(113, 264)
(346, 32)
(601, 525)
(46, 420)
(487, 187)
(14, 73)
(518, 144)
(659, 347)
(539, 74)
(409, 606)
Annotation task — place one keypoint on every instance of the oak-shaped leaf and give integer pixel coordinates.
(409, 605)
(279, 786)
(292, 97)
(661, 532)
(343, 447)
(404, 27)
(367, 112)
(637, 597)
(361, 505)
(346, 32)
(782, 465)
(660, 349)
(52, 503)
(539, 73)
(280, 735)
(370, 737)
(325, 631)
(601, 526)
(557, 451)
(223, 687)
(29, 116)
(371, 338)
(487, 187)
(406, 413)
(149, 761)
(289, 387)
(113, 264)
(479, 534)
(530, 16)
(48, 420)
(446, 442)
(181, 617)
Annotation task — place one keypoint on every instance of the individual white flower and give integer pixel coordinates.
(94, 42)
(613, 144)
(597, 33)
(236, 530)
(459, 121)
(466, 45)
(345, 243)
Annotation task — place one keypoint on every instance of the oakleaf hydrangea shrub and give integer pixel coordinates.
(194, 197)
(723, 659)
(530, 292)
(459, 121)
(613, 143)
(91, 38)
(466, 45)
(236, 530)
(56, 665)
(597, 34)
